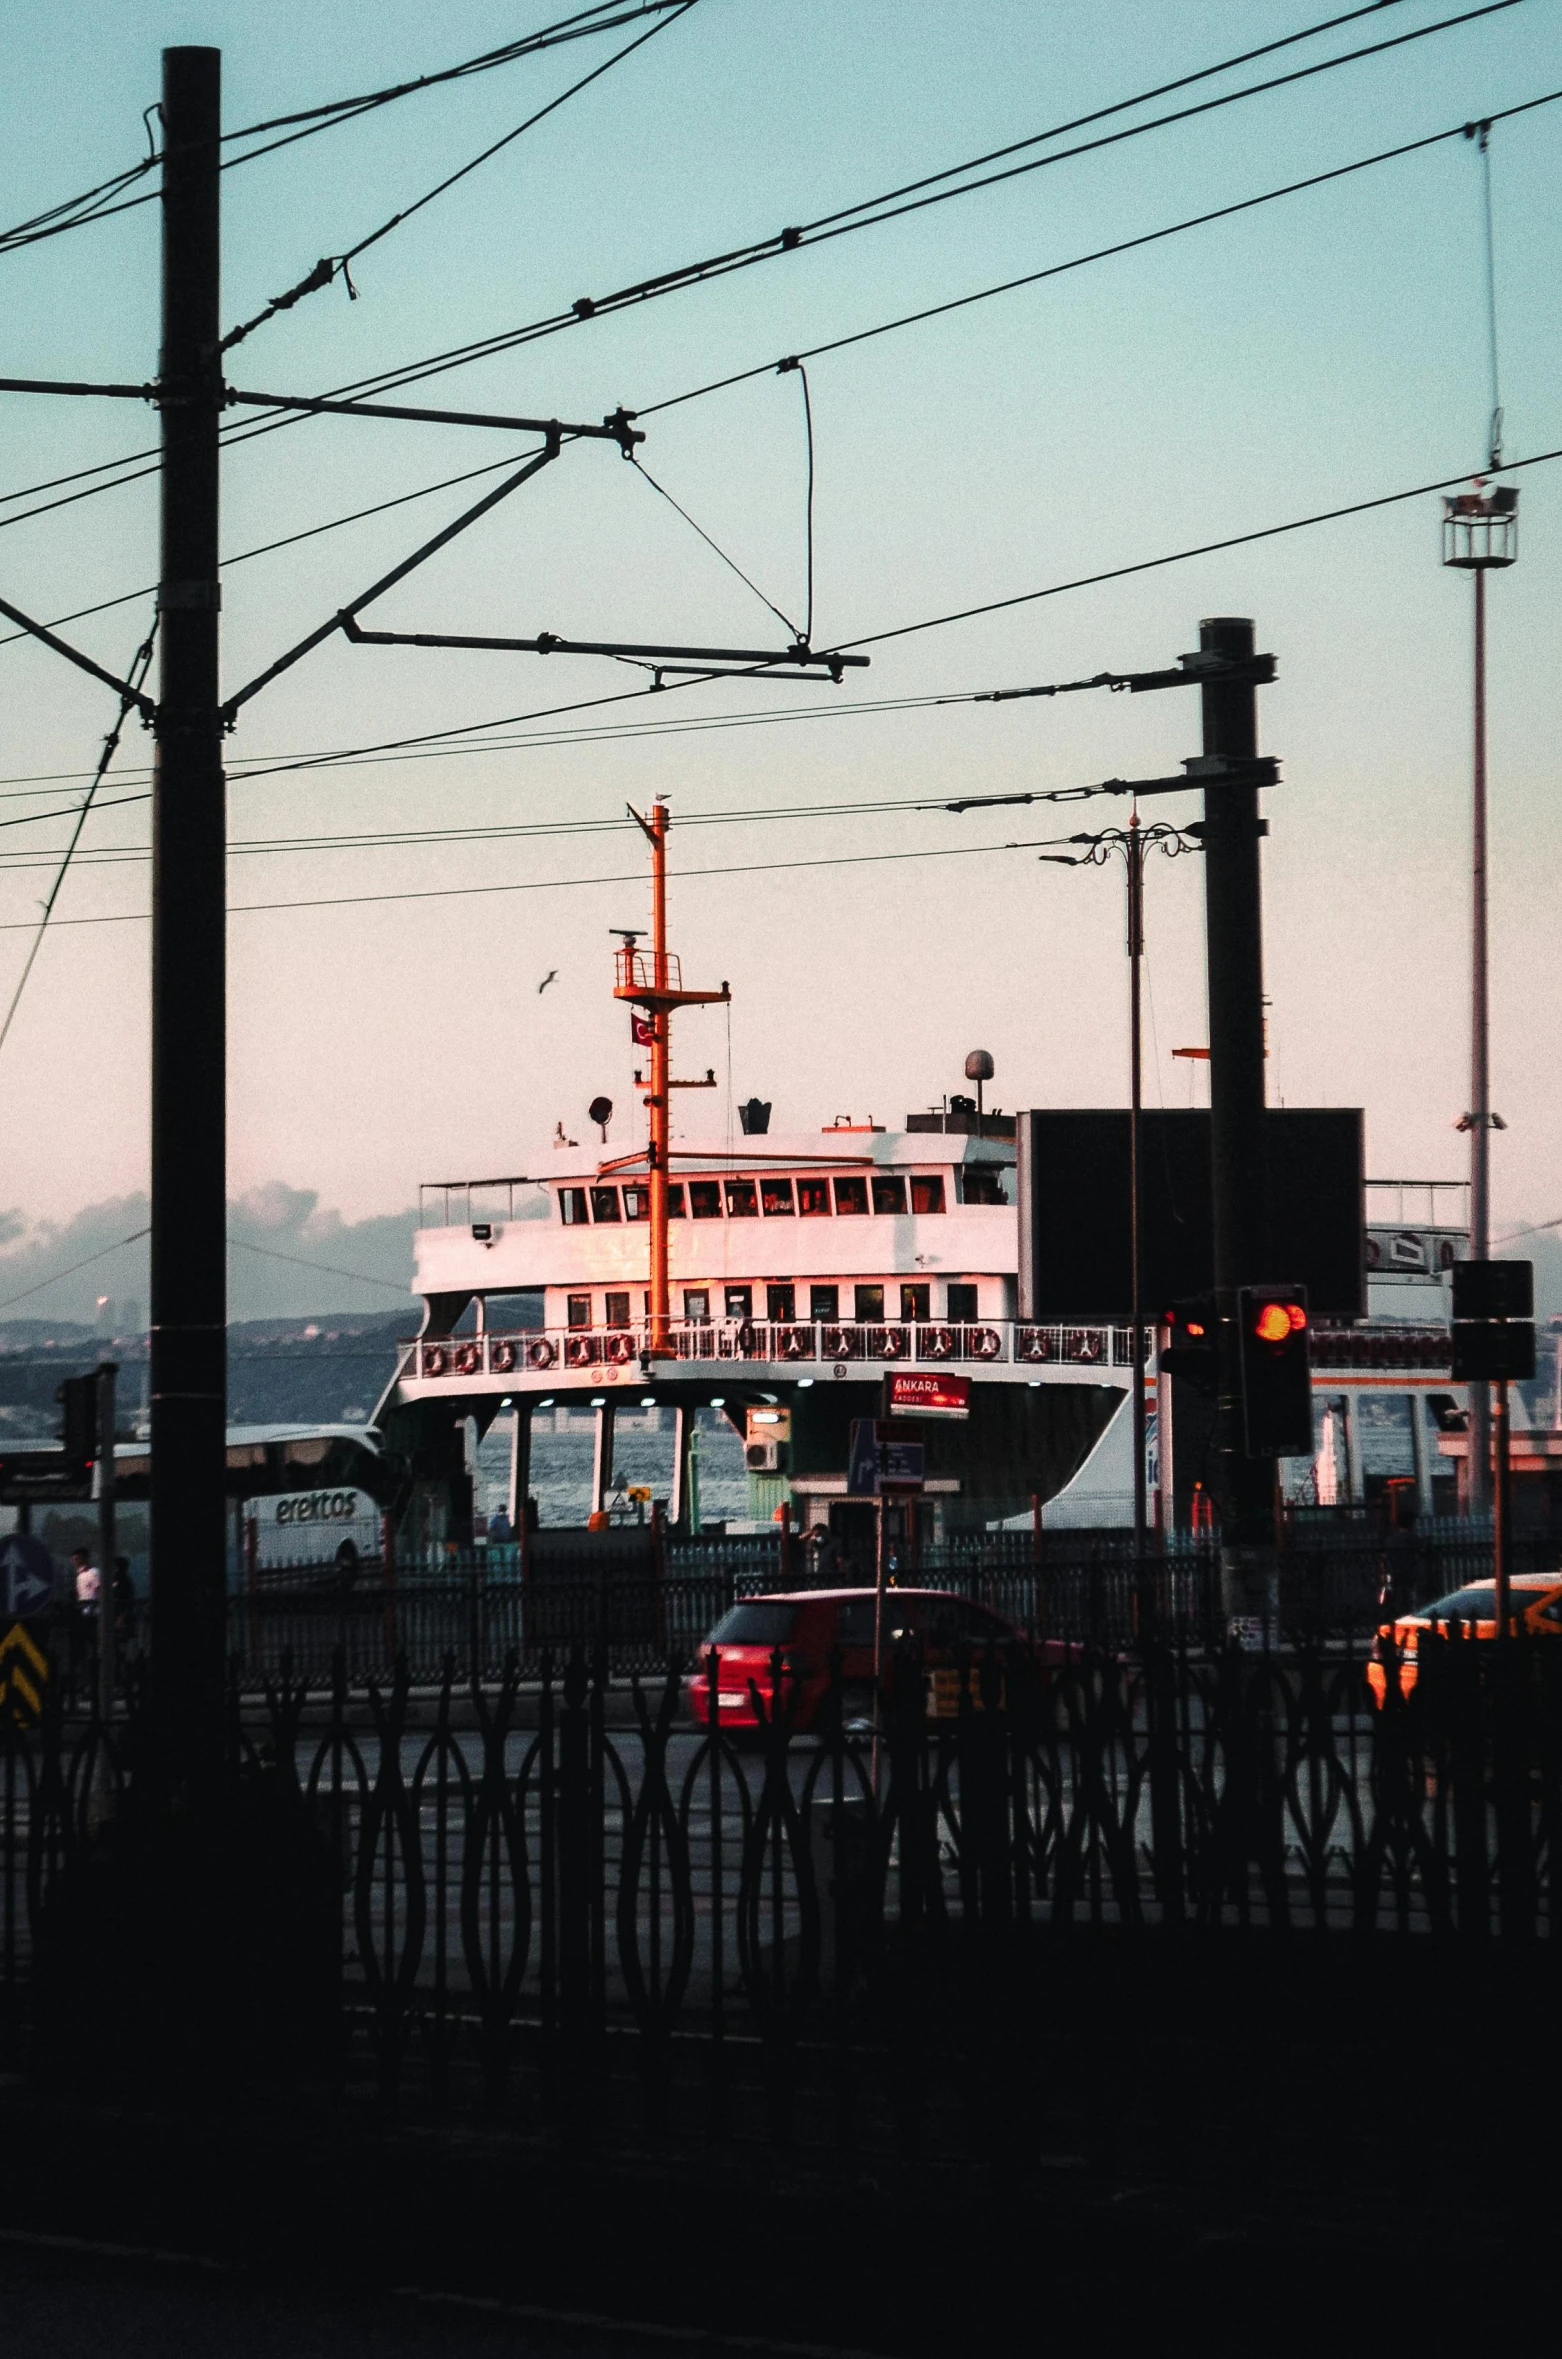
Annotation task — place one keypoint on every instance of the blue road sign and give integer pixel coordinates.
(862, 1467)
(881, 1461)
(26, 1576)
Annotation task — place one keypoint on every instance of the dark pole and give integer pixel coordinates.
(108, 1542)
(189, 1278)
(1502, 1502)
(1135, 850)
(1233, 922)
(1481, 1495)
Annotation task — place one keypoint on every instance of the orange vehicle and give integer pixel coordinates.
(1536, 1609)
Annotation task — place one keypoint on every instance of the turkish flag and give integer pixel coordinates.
(642, 1031)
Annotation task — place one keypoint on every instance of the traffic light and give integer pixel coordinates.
(1494, 1322)
(1193, 1354)
(1277, 1398)
(78, 1396)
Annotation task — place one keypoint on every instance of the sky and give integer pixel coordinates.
(1326, 348)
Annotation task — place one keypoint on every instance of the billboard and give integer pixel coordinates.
(1074, 1210)
(927, 1392)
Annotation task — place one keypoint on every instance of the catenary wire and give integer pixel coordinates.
(85, 1263)
(871, 213)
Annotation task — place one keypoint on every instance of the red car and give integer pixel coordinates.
(807, 1625)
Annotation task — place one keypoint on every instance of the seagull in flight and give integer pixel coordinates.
(549, 977)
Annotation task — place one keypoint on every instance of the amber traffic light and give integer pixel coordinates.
(1277, 1408)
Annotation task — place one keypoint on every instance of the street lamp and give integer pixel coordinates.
(1134, 843)
(1480, 531)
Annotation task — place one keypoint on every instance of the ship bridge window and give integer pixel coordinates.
(851, 1195)
(740, 1302)
(781, 1304)
(604, 1204)
(615, 1308)
(927, 1191)
(889, 1194)
(705, 1199)
(987, 1183)
(868, 1305)
(578, 1310)
(775, 1195)
(824, 1302)
(916, 1303)
(813, 1197)
(696, 1305)
(675, 1201)
(742, 1200)
(572, 1207)
(637, 1204)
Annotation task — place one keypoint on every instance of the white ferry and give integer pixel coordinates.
(780, 1278)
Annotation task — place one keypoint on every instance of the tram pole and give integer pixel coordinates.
(1238, 1176)
(189, 998)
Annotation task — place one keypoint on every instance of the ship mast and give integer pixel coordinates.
(653, 980)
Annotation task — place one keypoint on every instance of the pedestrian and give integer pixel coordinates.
(500, 1533)
(88, 1583)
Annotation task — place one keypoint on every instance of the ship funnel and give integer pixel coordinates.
(754, 1115)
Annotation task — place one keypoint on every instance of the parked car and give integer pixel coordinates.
(1536, 1609)
(806, 1626)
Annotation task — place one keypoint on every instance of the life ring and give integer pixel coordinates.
(542, 1353)
(1030, 1344)
(840, 1343)
(797, 1343)
(938, 1343)
(1086, 1347)
(436, 1360)
(983, 1343)
(892, 1345)
(620, 1349)
(467, 1359)
(580, 1351)
(501, 1358)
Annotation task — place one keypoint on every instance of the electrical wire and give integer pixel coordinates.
(731, 563)
(1482, 134)
(872, 212)
(328, 1268)
(138, 672)
(85, 1263)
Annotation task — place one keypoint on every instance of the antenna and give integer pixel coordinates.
(979, 1068)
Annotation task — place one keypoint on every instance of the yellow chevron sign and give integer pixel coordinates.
(24, 1673)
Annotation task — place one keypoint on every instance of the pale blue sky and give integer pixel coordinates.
(1325, 348)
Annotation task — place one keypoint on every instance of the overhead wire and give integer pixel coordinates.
(85, 1263)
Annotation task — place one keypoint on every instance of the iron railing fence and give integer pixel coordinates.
(647, 1608)
(523, 1881)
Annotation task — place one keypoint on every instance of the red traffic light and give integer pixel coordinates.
(1277, 1322)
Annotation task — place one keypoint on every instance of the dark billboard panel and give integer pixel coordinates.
(1074, 1210)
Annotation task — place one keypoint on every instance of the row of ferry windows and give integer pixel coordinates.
(868, 1304)
(780, 1199)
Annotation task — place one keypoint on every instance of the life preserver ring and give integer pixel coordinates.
(467, 1359)
(542, 1353)
(1030, 1344)
(580, 1351)
(840, 1344)
(436, 1360)
(501, 1358)
(796, 1344)
(620, 1349)
(1087, 1347)
(893, 1344)
(938, 1343)
(983, 1343)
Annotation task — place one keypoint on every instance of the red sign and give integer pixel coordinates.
(918, 1392)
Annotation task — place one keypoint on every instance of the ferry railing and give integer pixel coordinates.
(779, 1343)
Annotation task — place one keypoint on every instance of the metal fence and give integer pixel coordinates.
(526, 1885)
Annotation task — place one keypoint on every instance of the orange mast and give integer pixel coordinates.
(654, 981)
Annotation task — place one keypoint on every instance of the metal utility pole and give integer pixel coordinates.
(108, 1543)
(1238, 1176)
(1480, 531)
(189, 998)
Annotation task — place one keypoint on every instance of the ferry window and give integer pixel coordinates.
(675, 1201)
(705, 1199)
(824, 1302)
(851, 1195)
(813, 1197)
(604, 1204)
(616, 1309)
(637, 1204)
(916, 1302)
(740, 1302)
(889, 1195)
(696, 1305)
(776, 1197)
(962, 1302)
(578, 1310)
(572, 1207)
(927, 1191)
(869, 1304)
(781, 1304)
(987, 1183)
(742, 1200)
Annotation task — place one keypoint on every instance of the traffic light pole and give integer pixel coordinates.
(1238, 1175)
(189, 999)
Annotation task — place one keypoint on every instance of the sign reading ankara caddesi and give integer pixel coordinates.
(928, 1392)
